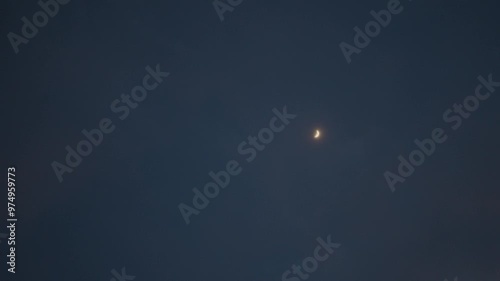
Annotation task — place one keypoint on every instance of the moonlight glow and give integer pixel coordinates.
(317, 135)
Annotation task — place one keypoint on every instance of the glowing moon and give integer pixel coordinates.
(318, 133)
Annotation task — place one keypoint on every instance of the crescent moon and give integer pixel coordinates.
(317, 134)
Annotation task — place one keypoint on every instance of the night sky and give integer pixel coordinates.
(225, 76)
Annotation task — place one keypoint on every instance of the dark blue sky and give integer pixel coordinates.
(119, 208)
